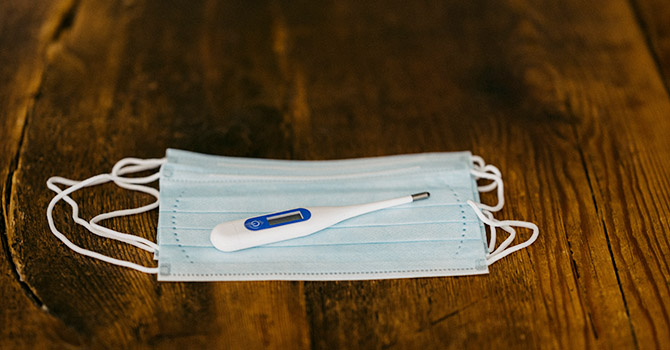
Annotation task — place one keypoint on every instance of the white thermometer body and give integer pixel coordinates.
(265, 229)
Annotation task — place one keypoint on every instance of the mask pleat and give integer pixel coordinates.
(343, 234)
(384, 260)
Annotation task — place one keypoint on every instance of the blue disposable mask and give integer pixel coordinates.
(442, 236)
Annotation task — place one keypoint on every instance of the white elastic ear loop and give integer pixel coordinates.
(92, 181)
(492, 242)
(140, 165)
(137, 165)
(130, 239)
(492, 186)
(479, 164)
(504, 249)
(126, 212)
(131, 184)
(497, 180)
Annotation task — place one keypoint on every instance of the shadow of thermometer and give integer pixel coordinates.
(270, 228)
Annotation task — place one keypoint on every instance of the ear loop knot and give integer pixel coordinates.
(124, 166)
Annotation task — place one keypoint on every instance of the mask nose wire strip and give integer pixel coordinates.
(128, 183)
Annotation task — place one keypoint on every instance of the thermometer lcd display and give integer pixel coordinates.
(285, 218)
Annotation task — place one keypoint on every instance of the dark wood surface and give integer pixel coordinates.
(569, 98)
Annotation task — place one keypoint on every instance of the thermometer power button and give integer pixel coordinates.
(254, 224)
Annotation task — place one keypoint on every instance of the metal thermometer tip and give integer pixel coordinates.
(420, 196)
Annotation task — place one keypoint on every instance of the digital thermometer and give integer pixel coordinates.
(265, 229)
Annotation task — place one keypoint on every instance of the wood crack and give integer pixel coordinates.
(618, 279)
(648, 40)
(607, 238)
(65, 21)
(3, 232)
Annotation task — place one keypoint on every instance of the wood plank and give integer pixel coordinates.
(627, 155)
(26, 31)
(126, 81)
(558, 95)
(535, 89)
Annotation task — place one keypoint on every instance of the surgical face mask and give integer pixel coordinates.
(443, 236)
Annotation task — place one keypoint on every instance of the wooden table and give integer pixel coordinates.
(569, 98)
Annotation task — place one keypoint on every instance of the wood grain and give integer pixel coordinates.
(565, 97)
(108, 95)
(653, 17)
(26, 31)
